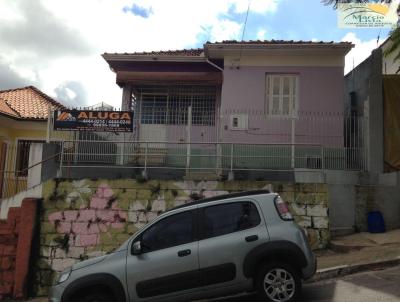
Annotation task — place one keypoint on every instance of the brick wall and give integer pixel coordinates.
(88, 218)
(16, 235)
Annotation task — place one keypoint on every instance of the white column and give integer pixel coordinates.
(35, 157)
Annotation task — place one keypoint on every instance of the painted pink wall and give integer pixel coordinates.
(321, 90)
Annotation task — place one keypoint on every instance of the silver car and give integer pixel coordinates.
(213, 247)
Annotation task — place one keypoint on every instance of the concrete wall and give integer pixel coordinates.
(87, 218)
(365, 81)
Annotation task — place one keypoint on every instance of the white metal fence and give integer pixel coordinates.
(206, 156)
(309, 140)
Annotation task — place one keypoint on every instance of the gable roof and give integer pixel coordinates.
(27, 103)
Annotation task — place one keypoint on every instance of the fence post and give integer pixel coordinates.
(230, 174)
(293, 143)
(146, 148)
(322, 158)
(17, 184)
(61, 159)
(189, 130)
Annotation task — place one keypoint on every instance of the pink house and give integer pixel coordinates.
(278, 102)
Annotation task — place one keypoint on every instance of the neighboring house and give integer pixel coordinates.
(277, 93)
(372, 91)
(100, 106)
(23, 121)
(389, 64)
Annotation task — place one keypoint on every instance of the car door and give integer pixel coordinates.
(168, 263)
(229, 231)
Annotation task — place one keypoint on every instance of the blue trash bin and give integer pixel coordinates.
(376, 224)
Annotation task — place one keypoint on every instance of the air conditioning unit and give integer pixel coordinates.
(239, 122)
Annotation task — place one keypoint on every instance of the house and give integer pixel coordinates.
(23, 121)
(245, 105)
(100, 106)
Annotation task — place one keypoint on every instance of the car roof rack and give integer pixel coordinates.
(221, 197)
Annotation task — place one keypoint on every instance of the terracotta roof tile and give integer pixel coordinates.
(195, 52)
(4, 108)
(29, 102)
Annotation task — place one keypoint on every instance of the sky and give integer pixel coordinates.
(56, 45)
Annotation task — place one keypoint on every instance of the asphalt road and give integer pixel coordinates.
(372, 286)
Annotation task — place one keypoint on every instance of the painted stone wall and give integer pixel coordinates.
(87, 218)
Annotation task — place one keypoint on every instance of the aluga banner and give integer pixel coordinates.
(90, 120)
(372, 14)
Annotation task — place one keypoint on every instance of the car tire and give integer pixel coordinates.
(278, 282)
(96, 297)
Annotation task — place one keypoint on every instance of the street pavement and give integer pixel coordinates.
(371, 286)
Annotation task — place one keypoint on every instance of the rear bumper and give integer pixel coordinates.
(311, 268)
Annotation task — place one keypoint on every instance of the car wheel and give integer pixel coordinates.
(96, 297)
(278, 282)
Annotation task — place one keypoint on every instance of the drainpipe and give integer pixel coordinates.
(213, 64)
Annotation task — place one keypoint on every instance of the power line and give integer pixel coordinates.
(244, 31)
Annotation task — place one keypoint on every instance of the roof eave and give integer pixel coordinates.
(239, 46)
(151, 58)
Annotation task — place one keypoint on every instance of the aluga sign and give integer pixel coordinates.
(89, 120)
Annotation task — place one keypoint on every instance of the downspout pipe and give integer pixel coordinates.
(213, 64)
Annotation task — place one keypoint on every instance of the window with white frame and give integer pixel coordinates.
(282, 95)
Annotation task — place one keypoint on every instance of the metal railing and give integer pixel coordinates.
(15, 180)
(208, 156)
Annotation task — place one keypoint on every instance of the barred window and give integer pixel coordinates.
(169, 105)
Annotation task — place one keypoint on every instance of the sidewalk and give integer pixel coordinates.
(353, 253)
(361, 251)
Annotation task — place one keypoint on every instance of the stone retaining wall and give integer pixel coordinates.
(88, 218)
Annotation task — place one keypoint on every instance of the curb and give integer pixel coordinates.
(343, 270)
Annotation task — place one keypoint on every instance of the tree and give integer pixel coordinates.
(336, 2)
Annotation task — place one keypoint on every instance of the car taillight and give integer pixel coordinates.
(282, 208)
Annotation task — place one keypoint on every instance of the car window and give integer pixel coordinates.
(171, 231)
(228, 218)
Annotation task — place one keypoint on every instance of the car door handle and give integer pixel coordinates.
(184, 253)
(251, 238)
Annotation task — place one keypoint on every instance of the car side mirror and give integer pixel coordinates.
(137, 248)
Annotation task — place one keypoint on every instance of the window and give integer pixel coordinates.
(171, 231)
(154, 108)
(169, 105)
(22, 161)
(281, 95)
(229, 218)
